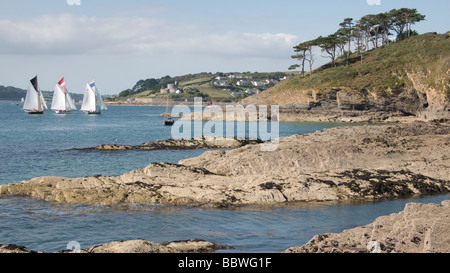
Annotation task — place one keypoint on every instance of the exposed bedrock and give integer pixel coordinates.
(199, 143)
(346, 163)
(419, 228)
(132, 246)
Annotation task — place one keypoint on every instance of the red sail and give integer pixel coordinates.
(62, 83)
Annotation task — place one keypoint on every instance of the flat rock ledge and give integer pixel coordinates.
(419, 228)
(133, 246)
(338, 164)
(302, 114)
(200, 143)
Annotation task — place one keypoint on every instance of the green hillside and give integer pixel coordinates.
(414, 71)
(11, 93)
(16, 94)
(203, 85)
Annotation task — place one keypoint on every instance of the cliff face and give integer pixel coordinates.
(411, 77)
(434, 98)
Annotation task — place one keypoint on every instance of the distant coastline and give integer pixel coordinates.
(292, 113)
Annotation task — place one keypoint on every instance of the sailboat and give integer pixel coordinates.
(92, 101)
(62, 102)
(168, 120)
(34, 102)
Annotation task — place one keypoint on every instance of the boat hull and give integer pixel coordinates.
(35, 112)
(94, 113)
(169, 122)
(62, 112)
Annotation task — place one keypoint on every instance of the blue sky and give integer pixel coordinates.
(121, 42)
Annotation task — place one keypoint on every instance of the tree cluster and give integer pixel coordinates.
(147, 84)
(11, 93)
(369, 32)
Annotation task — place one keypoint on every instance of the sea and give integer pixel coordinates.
(43, 145)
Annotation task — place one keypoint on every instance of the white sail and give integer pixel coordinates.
(92, 101)
(34, 100)
(100, 102)
(42, 102)
(89, 104)
(70, 101)
(31, 102)
(59, 100)
(64, 99)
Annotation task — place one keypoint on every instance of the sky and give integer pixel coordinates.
(121, 42)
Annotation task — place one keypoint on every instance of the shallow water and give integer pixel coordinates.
(46, 227)
(39, 145)
(34, 146)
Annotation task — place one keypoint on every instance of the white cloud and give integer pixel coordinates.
(66, 34)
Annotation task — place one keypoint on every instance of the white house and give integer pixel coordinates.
(221, 82)
(171, 89)
(258, 84)
(242, 83)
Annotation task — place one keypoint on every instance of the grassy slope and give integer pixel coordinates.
(383, 71)
(203, 84)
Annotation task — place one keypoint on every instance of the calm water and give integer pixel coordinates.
(34, 146)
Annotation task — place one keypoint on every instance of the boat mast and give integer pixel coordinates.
(167, 108)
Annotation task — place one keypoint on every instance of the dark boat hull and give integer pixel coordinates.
(169, 122)
(36, 112)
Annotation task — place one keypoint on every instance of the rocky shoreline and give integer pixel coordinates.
(132, 246)
(302, 114)
(200, 143)
(338, 164)
(293, 114)
(341, 164)
(419, 228)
